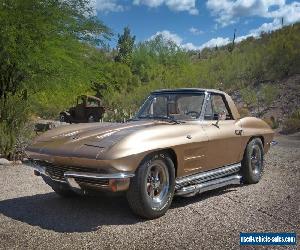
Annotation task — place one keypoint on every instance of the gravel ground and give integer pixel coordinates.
(32, 216)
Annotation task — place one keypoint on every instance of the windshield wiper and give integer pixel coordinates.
(163, 118)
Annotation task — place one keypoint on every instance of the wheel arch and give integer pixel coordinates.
(66, 113)
(259, 137)
(67, 116)
(250, 177)
(169, 151)
(250, 139)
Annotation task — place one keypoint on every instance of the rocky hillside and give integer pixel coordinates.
(288, 99)
(282, 107)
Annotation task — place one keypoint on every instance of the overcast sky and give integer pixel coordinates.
(194, 24)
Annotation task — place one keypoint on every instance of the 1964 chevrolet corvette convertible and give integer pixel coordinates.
(181, 142)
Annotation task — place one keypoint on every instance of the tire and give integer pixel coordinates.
(253, 162)
(59, 188)
(151, 190)
(91, 118)
(63, 118)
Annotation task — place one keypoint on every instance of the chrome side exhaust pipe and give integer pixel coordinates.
(195, 179)
(209, 185)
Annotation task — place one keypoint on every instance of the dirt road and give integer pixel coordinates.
(32, 216)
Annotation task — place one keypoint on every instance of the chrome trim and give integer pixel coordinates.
(73, 184)
(210, 185)
(207, 176)
(41, 170)
(119, 180)
(203, 109)
(72, 174)
(193, 157)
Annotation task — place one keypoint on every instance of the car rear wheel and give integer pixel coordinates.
(152, 188)
(92, 118)
(252, 164)
(59, 188)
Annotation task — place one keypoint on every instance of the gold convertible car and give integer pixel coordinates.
(181, 142)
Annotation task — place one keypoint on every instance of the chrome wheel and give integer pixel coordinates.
(157, 184)
(152, 188)
(256, 160)
(253, 162)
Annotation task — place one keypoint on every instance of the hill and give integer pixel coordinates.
(257, 68)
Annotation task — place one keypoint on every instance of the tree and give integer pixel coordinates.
(29, 29)
(125, 47)
(99, 88)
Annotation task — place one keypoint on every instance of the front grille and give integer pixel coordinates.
(57, 171)
(91, 183)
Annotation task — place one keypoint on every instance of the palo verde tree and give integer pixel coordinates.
(29, 29)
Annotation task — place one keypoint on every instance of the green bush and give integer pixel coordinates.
(40, 53)
(292, 124)
(272, 122)
(13, 119)
(249, 96)
(268, 93)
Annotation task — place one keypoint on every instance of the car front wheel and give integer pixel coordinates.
(252, 164)
(152, 188)
(63, 118)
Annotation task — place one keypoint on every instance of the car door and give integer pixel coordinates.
(194, 150)
(92, 108)
(79, 109)
(224, 133)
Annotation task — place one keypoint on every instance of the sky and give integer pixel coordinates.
(196, 24)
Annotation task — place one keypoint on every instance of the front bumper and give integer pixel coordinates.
(81, 181)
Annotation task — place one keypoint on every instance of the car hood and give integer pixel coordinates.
(85, 140)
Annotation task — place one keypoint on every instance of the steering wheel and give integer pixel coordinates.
(197, 114)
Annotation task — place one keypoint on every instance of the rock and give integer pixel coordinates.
(4, 162)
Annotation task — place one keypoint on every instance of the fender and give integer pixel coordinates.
(67, 116)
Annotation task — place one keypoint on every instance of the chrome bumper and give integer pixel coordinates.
(115, 182)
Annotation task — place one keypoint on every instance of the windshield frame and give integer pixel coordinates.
(154, 94)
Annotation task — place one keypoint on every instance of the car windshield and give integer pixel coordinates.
(174, 106)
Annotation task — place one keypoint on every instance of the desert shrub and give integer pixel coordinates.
(296, 114)
(262, 97)
(272, 122)
(13, 119)
(268, 93)
(292, 124)
(249, 96)
(244, 112)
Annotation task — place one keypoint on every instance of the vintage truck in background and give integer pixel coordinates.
(87, 109)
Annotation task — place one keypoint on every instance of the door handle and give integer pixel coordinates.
(238, 131)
